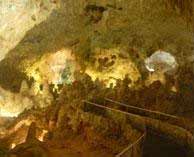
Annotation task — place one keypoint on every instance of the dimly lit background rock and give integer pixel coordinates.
(136, 28)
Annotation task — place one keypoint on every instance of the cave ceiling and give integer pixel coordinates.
(92, 31)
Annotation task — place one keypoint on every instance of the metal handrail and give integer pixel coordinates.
(131, 146)
(174, 120)
(142, 109)
(178, 124)
(105, 107)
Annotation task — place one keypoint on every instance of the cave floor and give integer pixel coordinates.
(79, 148)
(73, 153)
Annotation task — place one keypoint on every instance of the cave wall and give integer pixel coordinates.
(135, 28)
(19, 16)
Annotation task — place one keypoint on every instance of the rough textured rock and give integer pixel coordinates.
(137, 28)
(12, 104)
(31, 147)
(17, 17)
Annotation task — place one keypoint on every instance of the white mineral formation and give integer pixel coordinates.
(19, 16)
(12, 104)
(161, 62)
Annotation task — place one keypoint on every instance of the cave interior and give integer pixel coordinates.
(96, 78)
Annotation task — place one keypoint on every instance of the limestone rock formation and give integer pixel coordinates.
(135, 28)
(31, 147)
(17, 17)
